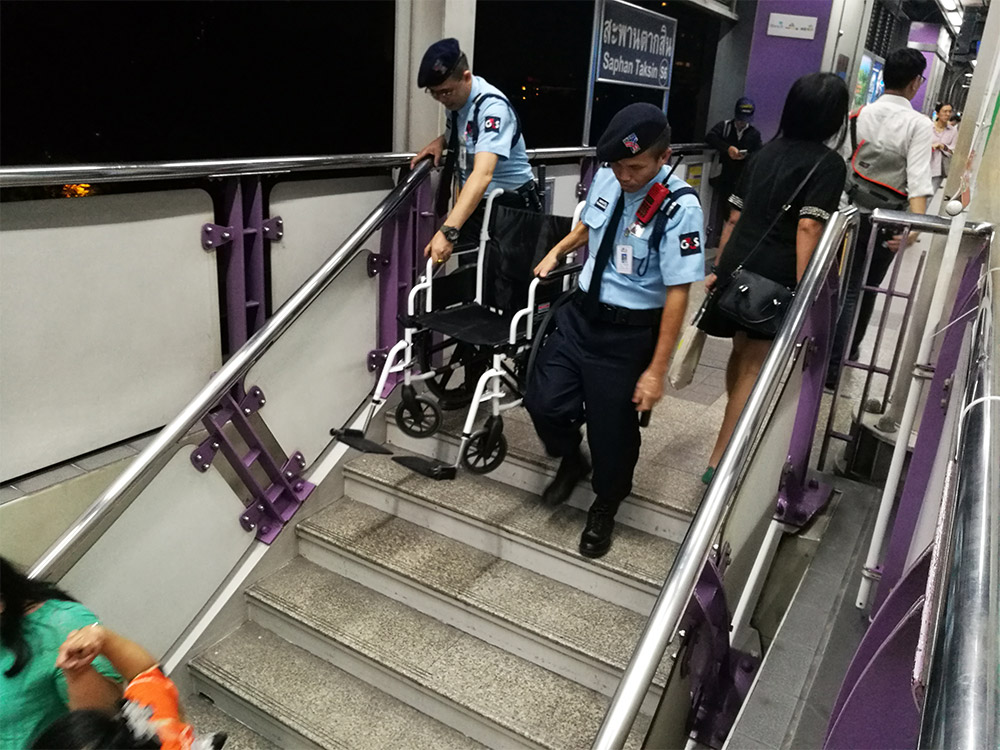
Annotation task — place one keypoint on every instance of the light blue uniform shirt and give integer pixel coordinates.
(497, 125)
(680, 258)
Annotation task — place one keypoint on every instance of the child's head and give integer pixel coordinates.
(92, 730)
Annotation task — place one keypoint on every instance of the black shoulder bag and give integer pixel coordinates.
(754, 301)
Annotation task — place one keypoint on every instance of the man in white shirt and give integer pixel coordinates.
(899, 137)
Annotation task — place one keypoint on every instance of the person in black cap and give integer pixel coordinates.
(484, 140)
(607, 358)
(735, 140)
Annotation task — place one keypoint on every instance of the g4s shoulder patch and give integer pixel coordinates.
(690, 243)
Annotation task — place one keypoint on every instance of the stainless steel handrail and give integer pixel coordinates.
(927, 222)
(680, 583)
(33, 176)
(962, 704)
(66, 550)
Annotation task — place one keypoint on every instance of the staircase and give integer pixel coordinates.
(449, 614)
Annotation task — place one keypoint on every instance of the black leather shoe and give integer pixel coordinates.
(596, 538)
(572, 469)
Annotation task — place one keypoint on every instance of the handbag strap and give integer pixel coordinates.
(784, 209)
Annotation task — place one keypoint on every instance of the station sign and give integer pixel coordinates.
(634, 46)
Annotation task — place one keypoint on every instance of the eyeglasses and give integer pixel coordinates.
(441, 93)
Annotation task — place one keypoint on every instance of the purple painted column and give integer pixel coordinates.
(776, 62)
(924, 33)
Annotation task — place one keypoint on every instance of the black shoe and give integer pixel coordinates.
(596, 538)
(572, 469)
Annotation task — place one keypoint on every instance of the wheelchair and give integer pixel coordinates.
(473, 348)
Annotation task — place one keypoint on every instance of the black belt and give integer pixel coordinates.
(622, 316)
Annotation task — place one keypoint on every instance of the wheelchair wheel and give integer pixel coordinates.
(418, 417)
(483, 453)
(461, 364)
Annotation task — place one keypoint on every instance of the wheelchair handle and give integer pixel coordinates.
(558, 273)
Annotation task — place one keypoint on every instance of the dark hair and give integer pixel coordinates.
(19, 592)
(902, 66)
(815, 108)
(460, 68)
(937, 107)
(90, 730)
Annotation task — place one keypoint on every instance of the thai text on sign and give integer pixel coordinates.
(636, 46)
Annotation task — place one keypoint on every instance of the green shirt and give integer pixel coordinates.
(37, 695)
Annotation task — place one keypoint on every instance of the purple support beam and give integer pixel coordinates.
(800, 498)
(929, 437)
(400, 261)
(238, 239)
(721, 676)
(881, 711)
(910, 590)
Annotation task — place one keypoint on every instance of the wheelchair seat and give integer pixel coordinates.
(469, 323)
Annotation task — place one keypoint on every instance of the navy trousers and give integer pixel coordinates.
(586, 373)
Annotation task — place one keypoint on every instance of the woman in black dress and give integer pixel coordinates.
(815, 111)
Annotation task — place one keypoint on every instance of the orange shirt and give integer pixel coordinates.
(152, 689)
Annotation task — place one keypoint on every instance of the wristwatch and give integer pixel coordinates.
(450, 233)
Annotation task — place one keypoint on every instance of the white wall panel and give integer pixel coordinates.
(316, 374)
(567, 177)
(160, 562)
(318, 216)
(109, 313)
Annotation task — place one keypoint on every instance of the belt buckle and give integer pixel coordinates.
(621, 316)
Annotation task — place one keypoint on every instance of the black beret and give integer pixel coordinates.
(439, 60)
(633, 130)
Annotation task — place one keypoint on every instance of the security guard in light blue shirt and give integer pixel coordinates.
(638, 277)
(484, 140)
(608, 355)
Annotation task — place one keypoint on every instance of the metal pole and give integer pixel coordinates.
(962, 705)
(922, 367)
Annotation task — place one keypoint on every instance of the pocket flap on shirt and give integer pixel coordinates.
(594, 217)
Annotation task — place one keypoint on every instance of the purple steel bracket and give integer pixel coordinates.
(721, 676)
(214, 236)
(270, 507)
(929, 436)
(799, 497)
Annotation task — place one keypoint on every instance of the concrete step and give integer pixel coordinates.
(663, 499)
(480, 690)
(296, 700)
(207, 718)
(576, 635)
(513, 525)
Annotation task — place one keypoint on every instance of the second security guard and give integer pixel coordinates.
(608, 356)
(484, 140)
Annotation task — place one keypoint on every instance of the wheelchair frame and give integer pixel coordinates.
(490, 385)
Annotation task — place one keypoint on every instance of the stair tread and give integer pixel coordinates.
(314, 698)
(528, 600)
(207, 718)
(671, 460)
(635, 554)
(532, 702)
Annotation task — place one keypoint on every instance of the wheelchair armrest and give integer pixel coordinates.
(558, 273)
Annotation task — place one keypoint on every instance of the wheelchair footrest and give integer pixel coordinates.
(356, 439)
(426, 466)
